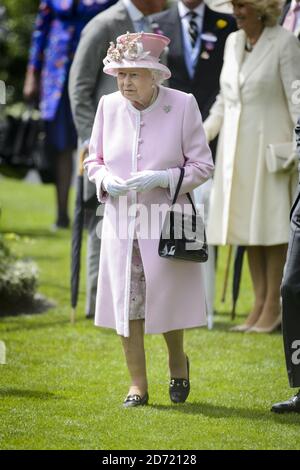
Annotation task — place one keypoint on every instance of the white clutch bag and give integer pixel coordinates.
(281, 158)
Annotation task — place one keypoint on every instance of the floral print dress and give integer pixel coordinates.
(137, 286)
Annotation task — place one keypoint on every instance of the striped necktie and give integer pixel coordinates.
(193, 28)
(144, 25)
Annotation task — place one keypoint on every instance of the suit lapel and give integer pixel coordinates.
(259, 53)
(172, 28)
(122, 19)
(209, 26)
(177, 40)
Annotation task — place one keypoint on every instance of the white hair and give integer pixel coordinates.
(158, 76)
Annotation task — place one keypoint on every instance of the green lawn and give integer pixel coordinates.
(63, 384)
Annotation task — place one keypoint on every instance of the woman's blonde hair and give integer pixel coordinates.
(269, 10)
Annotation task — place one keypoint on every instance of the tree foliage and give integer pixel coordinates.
(15, 34)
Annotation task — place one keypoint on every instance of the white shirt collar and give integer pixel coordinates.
(183, 10)
(134, 13)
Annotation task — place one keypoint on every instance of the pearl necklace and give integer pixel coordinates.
(248, 46)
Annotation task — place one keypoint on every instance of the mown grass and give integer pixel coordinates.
(63, 384)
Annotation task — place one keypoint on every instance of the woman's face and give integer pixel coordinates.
(136, 85)
(245, 13)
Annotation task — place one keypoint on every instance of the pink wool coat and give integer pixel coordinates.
(165, 136)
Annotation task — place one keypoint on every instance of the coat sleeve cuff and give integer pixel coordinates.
(173, 175)
(102, 195)
(96, 174)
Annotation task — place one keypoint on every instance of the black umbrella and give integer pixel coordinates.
(226, 276)
(77, 230)
(237, 275)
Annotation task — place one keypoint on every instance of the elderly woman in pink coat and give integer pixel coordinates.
(141, 137)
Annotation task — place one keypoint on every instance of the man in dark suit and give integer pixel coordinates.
(290, 291)
(195, 56)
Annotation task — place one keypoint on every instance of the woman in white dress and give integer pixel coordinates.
(257, 106)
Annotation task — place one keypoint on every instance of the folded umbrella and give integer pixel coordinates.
(237, 275)
(227, 270)
(77, 230)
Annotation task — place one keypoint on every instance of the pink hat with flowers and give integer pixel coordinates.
(136, 50)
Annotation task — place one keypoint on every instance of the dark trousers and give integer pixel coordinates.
(290, 291)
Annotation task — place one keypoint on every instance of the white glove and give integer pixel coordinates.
(114, 185)
(147, 180)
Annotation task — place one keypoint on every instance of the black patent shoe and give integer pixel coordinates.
(290, 406)
(60, 224)
(179, 389)
(135, 400)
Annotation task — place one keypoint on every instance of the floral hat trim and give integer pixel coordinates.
(127, 47)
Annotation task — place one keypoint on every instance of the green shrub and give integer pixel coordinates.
(15, 36)
(18, 278)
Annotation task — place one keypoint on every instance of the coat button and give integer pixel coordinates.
(139, 156)
(142, 123)
(140, 141)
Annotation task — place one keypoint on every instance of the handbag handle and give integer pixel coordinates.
(182, 171)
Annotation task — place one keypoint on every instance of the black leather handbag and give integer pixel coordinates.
(183, 235)
(23, 146)
(17, 135)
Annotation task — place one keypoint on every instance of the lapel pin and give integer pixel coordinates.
(221, 24)
(167, 108)
(205, 55)
(209, 37)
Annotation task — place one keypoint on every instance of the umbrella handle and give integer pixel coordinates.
(226, 274)
(83, 153)
(72, 317)
(233, 310)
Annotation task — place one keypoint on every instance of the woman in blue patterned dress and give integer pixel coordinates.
(56, 35)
